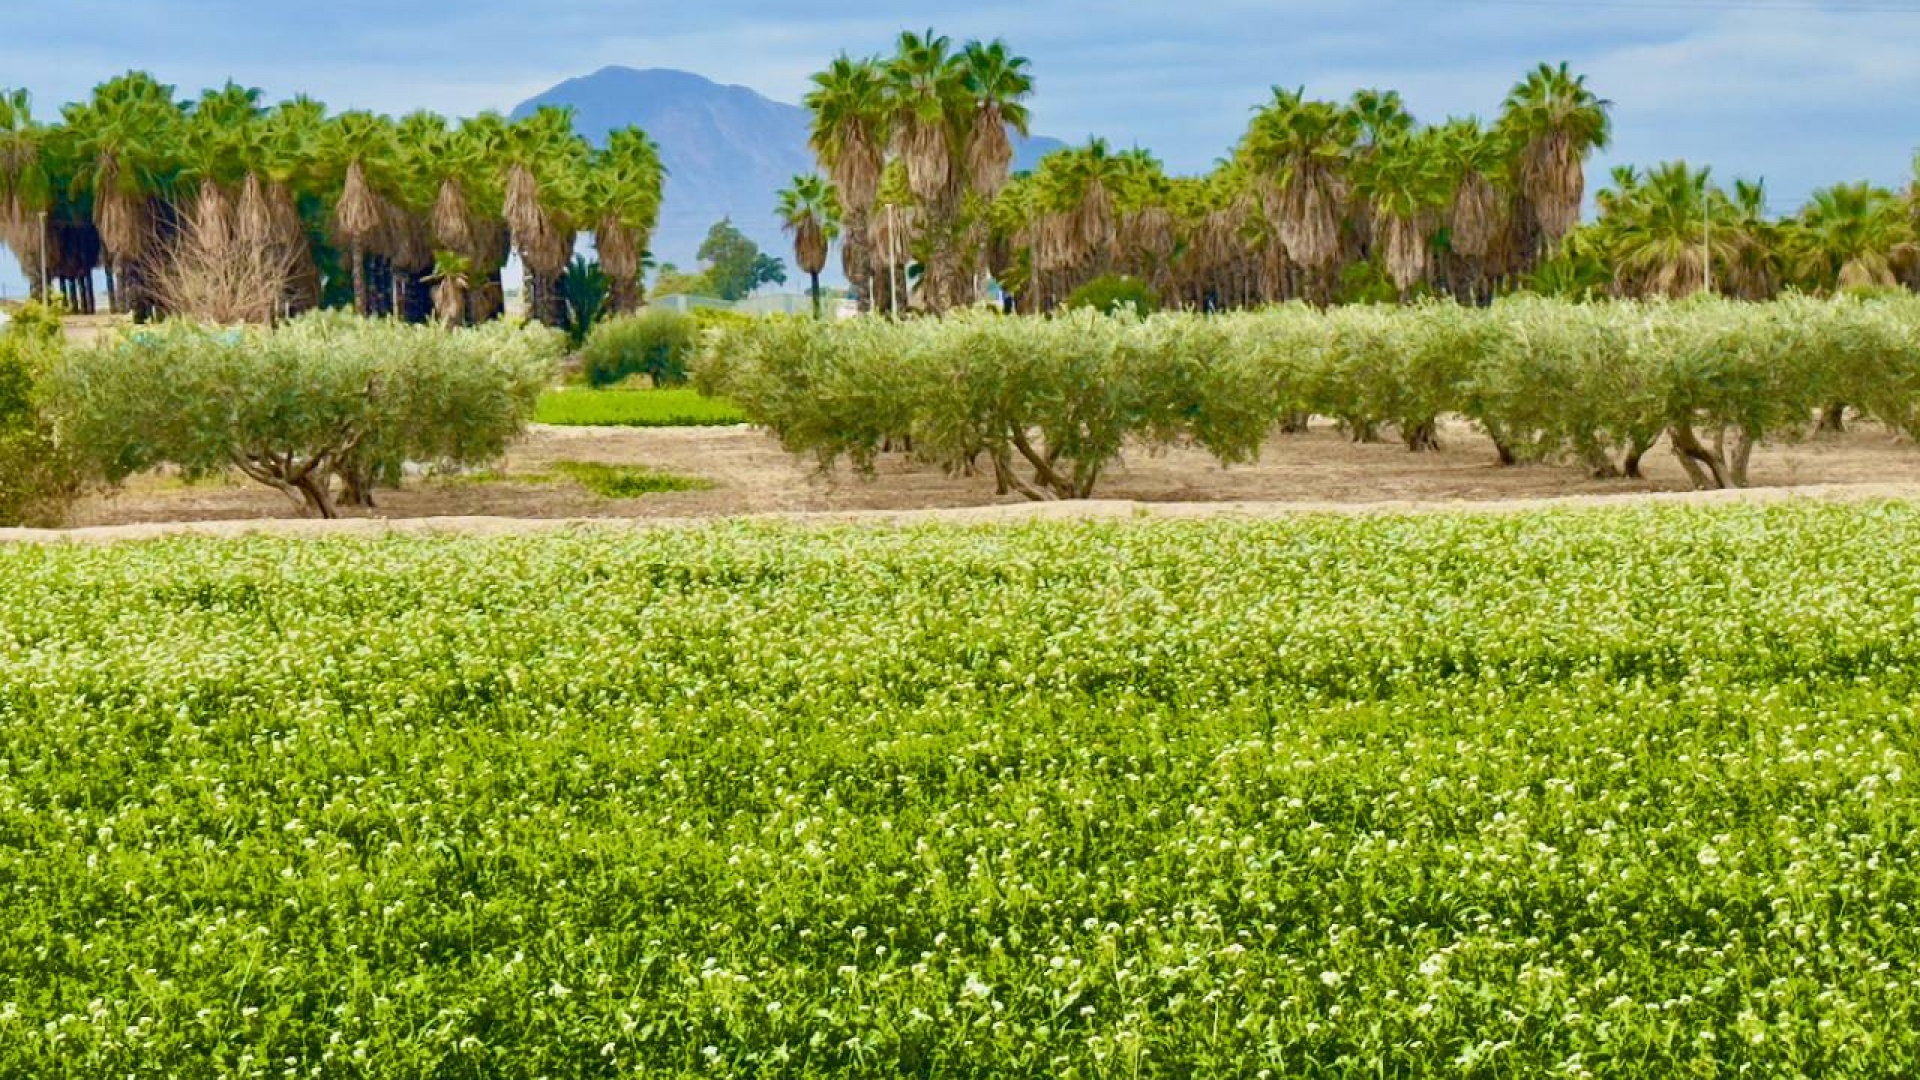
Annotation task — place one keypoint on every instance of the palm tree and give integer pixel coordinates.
(424, 156)
(1657, 228)
(215, 141)
(357, 148)
(467, 210)
(810, 213)
(1405, 184)
(998, 83)
(849, 136)
(1147, 233)
(1849, 235)
(626, 184)
(26, 191)
(1472, 160)
(1380, 118)
(128, 136)
(280, 158)
(1755, 267)
(545, 174)
(927, 88)
(931, 113)
(1296, 151)
(1554, 122)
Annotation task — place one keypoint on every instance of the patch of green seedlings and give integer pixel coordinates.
(665, 407)
(626, 481)
(1580, 794)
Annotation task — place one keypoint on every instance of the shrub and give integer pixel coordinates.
(323, 395)
(1110, 294)
(583, 293)
(657, 344)
(37, 477)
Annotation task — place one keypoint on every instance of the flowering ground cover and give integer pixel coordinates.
(1607, 793)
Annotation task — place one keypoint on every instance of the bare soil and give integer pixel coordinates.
(752, 475)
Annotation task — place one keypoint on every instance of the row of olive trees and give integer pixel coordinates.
(324, 402)
(1047, 404)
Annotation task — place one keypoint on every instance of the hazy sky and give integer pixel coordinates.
(1799, 92)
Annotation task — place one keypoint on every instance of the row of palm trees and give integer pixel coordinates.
(418, 214)
(917, 147)
(1671, 231)
(1319, 200)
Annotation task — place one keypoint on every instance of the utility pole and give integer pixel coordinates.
(1706, 217)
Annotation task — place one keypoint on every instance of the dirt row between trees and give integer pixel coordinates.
(754, 478)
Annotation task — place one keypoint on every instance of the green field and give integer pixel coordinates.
(1622, 793)
(668, 407)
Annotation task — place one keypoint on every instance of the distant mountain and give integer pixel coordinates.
(728, 151)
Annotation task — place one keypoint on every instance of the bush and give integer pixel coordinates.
(1050, 401)
(1110, 294)
(324, 395)
(657, 344)
(37, 478)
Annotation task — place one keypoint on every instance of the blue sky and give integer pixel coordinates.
(1802, 93)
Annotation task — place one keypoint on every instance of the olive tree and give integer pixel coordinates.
(293, 407)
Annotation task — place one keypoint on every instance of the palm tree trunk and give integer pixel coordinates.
(815, 276)
(357, 259)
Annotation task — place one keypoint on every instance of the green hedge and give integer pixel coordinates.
(656, 344)
(1048, 402)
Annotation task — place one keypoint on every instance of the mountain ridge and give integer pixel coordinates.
(728, 150)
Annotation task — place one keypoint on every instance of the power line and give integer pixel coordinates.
(1869, 7)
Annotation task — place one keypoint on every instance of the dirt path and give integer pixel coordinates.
(1088, 510)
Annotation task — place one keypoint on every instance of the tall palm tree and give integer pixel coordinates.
(545, 173)
(1405, 185)
(1472, 160)
(282, 159)
(927, 87)
(1297, 150)
(1755, 267)
(128, 135)
(1147, 232)
(998, 84)
(215, 140)
(626, 184)
(849, 136)
(468, 217)
(1554, 123)
(1380, 118)
(358, 148)
(810, 213)
(931, 114)
(26, 190)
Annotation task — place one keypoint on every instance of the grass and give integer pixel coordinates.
(668, 407)
(625, 481)
(1629, 793)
